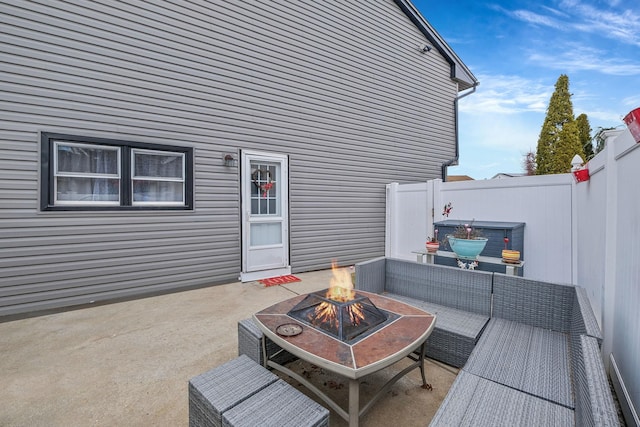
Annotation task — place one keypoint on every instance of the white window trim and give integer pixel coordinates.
(57, 173)
(182, 180)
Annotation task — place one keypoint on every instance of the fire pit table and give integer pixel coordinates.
(347, 340)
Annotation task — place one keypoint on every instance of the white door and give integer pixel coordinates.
(265, 216)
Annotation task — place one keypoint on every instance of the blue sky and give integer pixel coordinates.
(517, 50)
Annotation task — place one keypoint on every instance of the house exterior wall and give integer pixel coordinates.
(339, 87)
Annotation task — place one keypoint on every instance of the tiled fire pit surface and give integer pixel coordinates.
(378, 349)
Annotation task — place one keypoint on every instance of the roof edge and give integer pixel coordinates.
(459, 71)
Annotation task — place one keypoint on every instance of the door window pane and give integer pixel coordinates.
(264, 189)
(268, 233)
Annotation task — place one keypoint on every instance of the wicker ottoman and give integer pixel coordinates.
(222, 388)
(278, 405)
(250, 343)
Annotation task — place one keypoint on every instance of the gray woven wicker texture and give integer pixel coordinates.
(455, 333)
(474, 401)
(452, 287)
(594, 403)
(220, 389)
(533, 360)
(250, 343)
(536, 362)
(278, 405)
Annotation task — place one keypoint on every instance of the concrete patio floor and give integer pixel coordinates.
(128, 363)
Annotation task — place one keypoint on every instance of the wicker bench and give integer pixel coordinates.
(533, 359)
(242, 393)
(460, 298)
(250, 339)
(538, 362)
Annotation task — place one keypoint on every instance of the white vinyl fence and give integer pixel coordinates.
(543, 203)
(584, 233)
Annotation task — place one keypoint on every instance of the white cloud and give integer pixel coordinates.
(610, 22)
(556, 12)
(577, 57)
(632, 101)
(507, 95)
(509, 133)
(604, 118)
(535, 18)
(621, 25)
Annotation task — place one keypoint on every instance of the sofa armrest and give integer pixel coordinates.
(594, 402)
(584, 320)
(371, 275)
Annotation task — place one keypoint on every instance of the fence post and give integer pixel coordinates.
(610, 245)
(390, 230)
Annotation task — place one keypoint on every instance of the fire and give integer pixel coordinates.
(340, 290)
(340, 285)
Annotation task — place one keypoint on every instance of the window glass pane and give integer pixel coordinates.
(86, 160)
(272, 206)
(157, 191)
(264, 189)
(266, 234)
(87, 189)
(158, 165)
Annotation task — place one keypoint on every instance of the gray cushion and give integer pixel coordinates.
(455, 333)
(456, 321)
(529, 359)
(475, 401)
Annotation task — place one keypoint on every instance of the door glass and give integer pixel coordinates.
(267, 233)
(264, 188)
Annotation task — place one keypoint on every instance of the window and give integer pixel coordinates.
(264, 191)
(85, 173)
(158, 177)
(91, 173)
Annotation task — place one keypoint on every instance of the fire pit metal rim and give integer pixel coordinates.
(348, 320)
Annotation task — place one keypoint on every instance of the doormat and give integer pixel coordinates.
(280, 280)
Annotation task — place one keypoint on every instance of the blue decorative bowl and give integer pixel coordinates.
(467, 248)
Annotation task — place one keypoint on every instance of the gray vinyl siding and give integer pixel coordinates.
(338, 86)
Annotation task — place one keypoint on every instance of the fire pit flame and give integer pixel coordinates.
(341, 290)
(339, 311)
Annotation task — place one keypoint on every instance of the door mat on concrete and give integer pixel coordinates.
(280, 280)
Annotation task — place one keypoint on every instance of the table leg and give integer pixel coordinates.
(420, 258)
(422, 355)
(512, 270)
(354, 402)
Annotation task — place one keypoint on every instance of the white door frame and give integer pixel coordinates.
(264, 215)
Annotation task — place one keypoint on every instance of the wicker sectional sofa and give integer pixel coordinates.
(529, 351)
(460, 298)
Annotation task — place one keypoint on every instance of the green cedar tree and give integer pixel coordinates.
(558, 141)
(584, 134)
